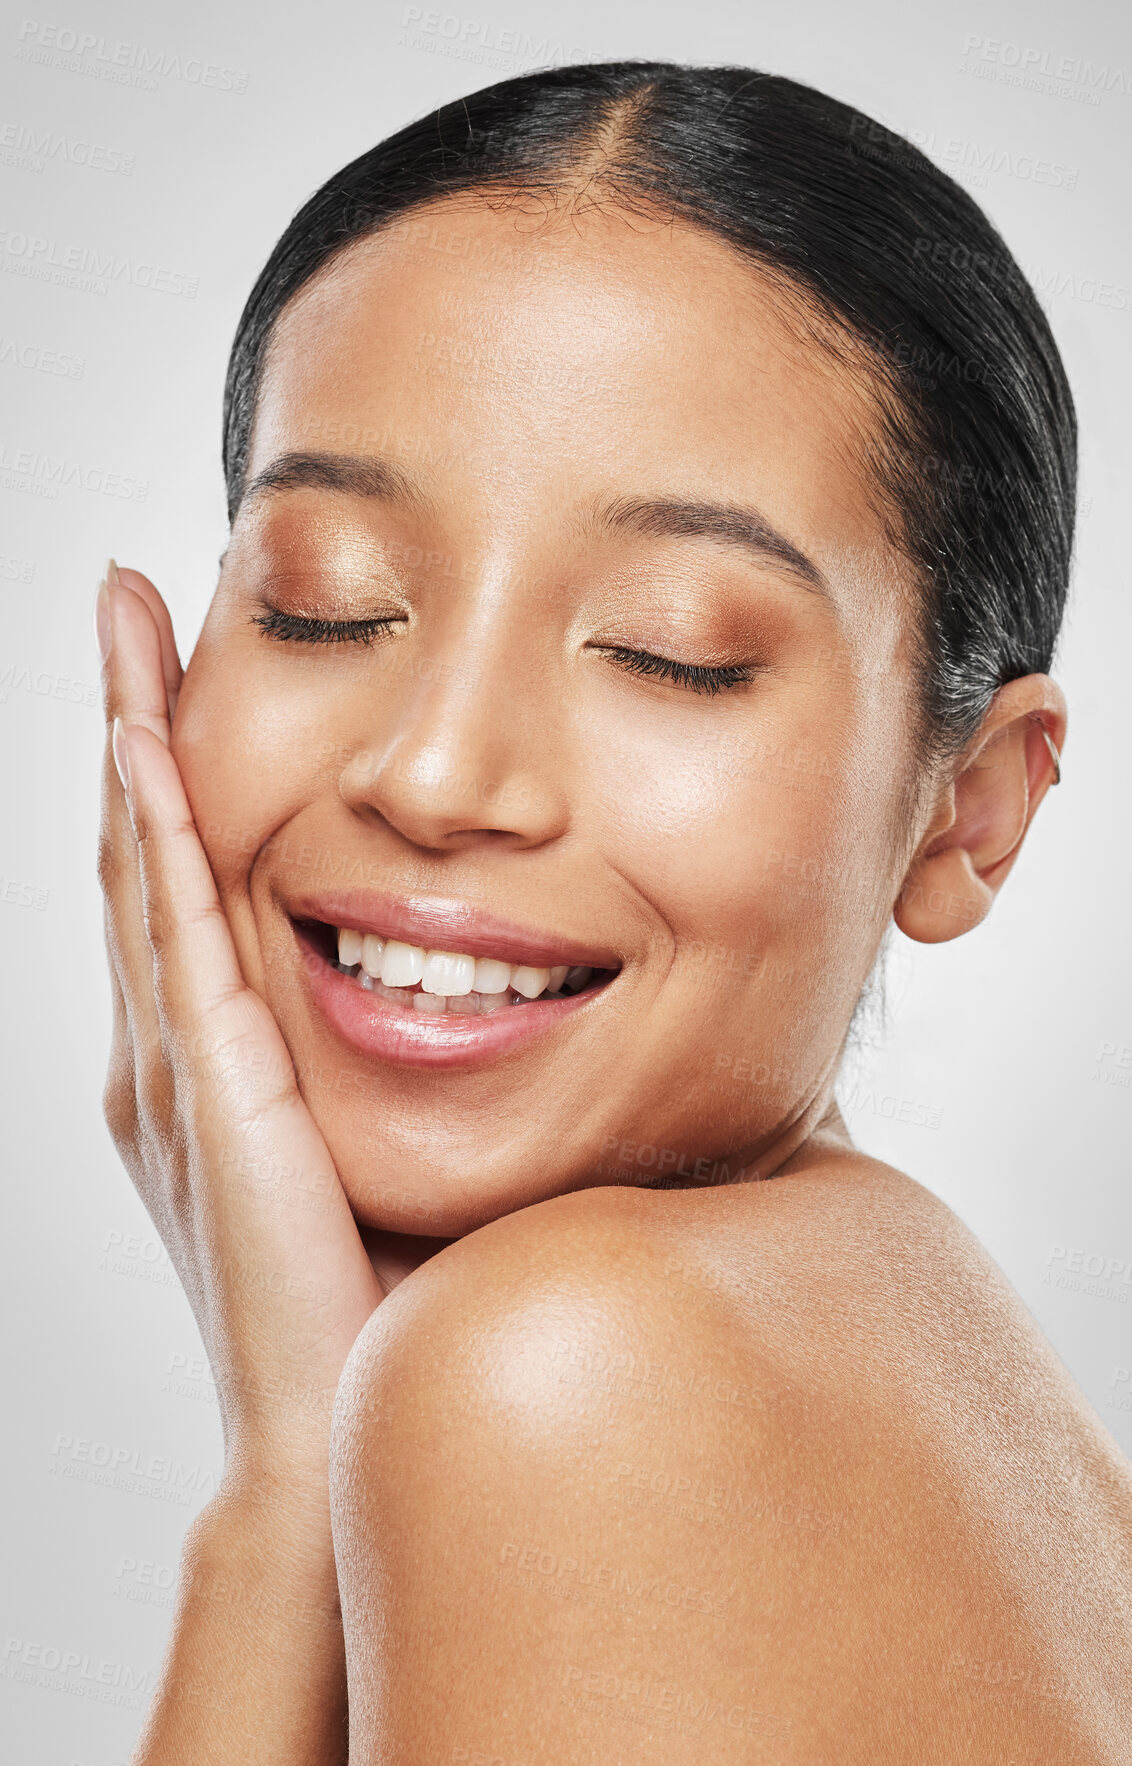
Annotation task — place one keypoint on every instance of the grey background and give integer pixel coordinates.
(1004, 1079)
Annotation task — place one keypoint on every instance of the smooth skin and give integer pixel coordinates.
(771, 1471)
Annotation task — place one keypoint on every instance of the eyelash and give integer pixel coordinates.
(303, 628)
(683, 674)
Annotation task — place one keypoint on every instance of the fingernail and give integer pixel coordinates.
(102, 628)
(121, 756)
(112, 574)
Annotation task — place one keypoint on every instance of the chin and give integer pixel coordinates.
(391, 1189)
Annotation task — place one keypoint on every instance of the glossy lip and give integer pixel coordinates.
(435, 922)
(419, 1039)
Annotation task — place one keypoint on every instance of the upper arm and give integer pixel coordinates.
(583, 1513)
(541, 1466)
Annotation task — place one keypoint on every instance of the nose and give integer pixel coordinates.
(464, 741)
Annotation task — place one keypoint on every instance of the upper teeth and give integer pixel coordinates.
(442, 972)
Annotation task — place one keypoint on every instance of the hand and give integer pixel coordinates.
(201, 1096)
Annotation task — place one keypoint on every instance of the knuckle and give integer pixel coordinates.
(154, 1086)
(108, 865)
(139, 827)
(161, 929)
(120, 1106)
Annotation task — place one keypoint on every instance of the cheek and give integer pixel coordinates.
(243, 763)
(732, 831)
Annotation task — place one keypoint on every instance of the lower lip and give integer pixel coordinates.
(425, 1039)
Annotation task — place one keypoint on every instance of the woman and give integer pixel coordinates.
(651, 517)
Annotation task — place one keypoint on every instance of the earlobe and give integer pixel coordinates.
(983, 815)
(942, 898)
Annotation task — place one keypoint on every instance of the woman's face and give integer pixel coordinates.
(588, 438)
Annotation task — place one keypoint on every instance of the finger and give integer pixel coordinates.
(137, 1050)
(170, 661)
(242, 1072)
(133, 674)
(195, 962)
(134, 684)
(249, 1141)
(121, 1074)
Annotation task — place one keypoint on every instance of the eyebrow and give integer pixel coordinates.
(675, 518)
(372, 475)
(357, 475)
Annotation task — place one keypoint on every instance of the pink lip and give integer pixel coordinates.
(418, 1039)
(434, 923)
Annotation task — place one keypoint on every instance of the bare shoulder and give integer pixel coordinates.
(601, 1268)
(716, 1459)
(656, 1258)
(846, 1275)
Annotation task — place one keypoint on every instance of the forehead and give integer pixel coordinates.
(528, 356)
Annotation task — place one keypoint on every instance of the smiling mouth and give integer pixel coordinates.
(437, 982)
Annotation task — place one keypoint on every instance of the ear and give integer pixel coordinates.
(982, 813)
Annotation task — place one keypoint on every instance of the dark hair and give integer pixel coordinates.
(978, 455)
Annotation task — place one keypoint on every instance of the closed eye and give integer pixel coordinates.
(302, 628)
(694, 675)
